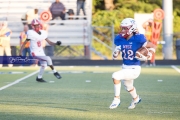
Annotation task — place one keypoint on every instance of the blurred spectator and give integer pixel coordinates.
(81, 5)
(147, 25)
(24, 19)
(30, 15)
(23, 36)
(5, 34)
(57, 9)
(70, 13)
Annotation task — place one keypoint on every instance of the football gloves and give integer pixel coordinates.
(116, 52)
(149, 56)
(141, 57)
(58, 43)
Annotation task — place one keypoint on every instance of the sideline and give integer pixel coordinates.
(18, 80)
(177, 69)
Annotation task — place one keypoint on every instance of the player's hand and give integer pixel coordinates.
(142, 57)
(116, 52)
(58, 43)
(117, 48)
(149, 56)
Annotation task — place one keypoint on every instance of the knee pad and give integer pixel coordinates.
(128, 86)
(49, 61)
(43, 64)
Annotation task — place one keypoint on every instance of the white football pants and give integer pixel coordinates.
(42, 58)
(128, 72)
(127, 75)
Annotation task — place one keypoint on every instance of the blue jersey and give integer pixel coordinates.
(129, 48)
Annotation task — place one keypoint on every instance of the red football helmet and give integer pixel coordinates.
(36, 25)
(128, 26)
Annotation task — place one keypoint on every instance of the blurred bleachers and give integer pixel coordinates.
(72, 32)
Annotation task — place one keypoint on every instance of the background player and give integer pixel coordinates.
(36, 36)
(128, 42)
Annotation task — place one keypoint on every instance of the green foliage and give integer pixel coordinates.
(127, 8)
(109, 18)
(176, 27)
(139, 7)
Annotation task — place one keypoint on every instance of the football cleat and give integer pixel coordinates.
(134, 103)
(40, 80)
(58, 76)
(115, 103)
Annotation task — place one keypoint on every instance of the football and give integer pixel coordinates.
(142, 51)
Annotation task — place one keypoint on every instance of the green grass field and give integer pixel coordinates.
(85, 93)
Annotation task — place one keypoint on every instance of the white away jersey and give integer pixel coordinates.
(36, 40)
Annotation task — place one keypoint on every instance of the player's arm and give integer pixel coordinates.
(151, 47)
(52, 43)
(22, 47)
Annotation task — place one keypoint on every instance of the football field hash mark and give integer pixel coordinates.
(18, 80)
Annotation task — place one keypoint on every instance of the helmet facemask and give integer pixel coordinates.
(36, 25)
(125, 31)
(128, 26)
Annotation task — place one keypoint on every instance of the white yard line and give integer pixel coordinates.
(177, 69)
(18, 80)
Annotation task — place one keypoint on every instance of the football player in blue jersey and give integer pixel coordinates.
(128, 42)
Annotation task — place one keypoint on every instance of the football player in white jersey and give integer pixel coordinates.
(36, 36)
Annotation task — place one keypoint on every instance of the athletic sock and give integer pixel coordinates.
(133, 93)
(41, 71)
(117, 89)
(54, 71)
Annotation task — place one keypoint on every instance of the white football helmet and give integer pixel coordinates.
(128, 26)
(36, 25)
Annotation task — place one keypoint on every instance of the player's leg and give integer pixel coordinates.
(131, 73)
(132, 90)
(56, 74)
(41, 71)
(49, 63)
(117, 89)
(117, 77)
(124, 74)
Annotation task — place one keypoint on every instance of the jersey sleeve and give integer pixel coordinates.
(45, 34)
(29, 35)
(116, 40)
(142, 39)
